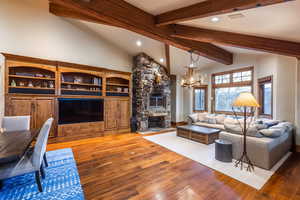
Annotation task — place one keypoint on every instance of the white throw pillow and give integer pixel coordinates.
(211, 119)
(220, 119)
(272, 133)
(202, 116)
(194, 117)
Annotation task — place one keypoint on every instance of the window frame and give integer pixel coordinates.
(261, 82)
(204, 87)
(230, 84)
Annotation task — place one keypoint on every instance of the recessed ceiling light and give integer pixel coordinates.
(161, 60)
(138, 43)
(215, 19)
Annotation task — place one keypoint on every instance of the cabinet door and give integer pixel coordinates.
(111, 114)
(44, 109)
(124, 114)
(20, 106)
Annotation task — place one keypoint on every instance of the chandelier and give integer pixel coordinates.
(192, 79)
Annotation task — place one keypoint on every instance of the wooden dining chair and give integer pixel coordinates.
(16, 123)
(31, 162)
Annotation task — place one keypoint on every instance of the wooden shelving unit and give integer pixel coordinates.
(34, 86)
(23, 78)
(30, 77)
(80, 83)
(117, 86)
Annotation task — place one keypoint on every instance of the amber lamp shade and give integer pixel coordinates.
(245, 99)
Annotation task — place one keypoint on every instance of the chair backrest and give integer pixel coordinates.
(16, 123)
(41, 144)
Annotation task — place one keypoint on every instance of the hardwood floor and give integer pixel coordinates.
(130, 167)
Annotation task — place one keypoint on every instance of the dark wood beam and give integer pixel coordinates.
(210, 8)
(62, 11)
(167, 54)
(121, 14)
(238, 40)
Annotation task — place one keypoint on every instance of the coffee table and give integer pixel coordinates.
(198, 133)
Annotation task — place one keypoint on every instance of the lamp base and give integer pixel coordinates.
(244, 159)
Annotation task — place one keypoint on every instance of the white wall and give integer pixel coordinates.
(28, 29)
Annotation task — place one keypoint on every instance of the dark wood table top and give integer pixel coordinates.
(200, 129)
(14, 144)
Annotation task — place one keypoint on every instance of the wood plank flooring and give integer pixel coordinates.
(129, 167)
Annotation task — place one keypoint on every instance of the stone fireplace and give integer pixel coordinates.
(151, 94)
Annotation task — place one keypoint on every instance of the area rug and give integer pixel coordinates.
(62, 181)
(205, 154)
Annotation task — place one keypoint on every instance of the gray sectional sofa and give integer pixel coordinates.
(267, 140)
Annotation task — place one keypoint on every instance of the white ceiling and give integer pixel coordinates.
(156, 7)
(277, 21)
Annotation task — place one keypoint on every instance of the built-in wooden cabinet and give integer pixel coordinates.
(80, 82)
(117, 114)
(30, 78)
(39, 108)
(33, 87)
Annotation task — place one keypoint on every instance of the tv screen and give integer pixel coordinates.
(80, 110)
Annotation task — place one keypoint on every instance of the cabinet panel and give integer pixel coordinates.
(111, 114)
(44, 109)
(124, 114)
(20, 106)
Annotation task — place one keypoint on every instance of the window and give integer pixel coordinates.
(265, 96)
(226, 86)
(222, 79)
(200, 99)
(225, 97)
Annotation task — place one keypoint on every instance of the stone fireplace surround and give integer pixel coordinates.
(149, 77)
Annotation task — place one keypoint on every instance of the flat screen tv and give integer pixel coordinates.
(79, 110)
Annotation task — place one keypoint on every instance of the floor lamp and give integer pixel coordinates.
(245, 100)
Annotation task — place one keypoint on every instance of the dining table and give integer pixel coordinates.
(14, 144)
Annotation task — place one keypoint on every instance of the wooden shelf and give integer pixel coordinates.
(67, 89)
(36, 88)
(32, 77)
(118, 92)
(82, 84)
(117, 84)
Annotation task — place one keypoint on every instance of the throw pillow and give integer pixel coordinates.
(271, 123)
(272, 133)
(211, 119)
(289, 126)
(220, 119)
(230, 121)
(202, 116)
(194, 117)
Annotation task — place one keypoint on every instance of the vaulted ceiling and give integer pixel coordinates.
(261, 25)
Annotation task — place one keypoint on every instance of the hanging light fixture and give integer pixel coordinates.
(190, 79)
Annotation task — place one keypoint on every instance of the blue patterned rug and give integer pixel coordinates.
(62, 181)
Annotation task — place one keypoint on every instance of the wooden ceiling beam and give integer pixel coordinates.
(237, 40)
(122, 14)
(210, 8)
(73, 14)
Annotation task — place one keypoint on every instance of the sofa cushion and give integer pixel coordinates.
(217, 126)
(236, 128)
